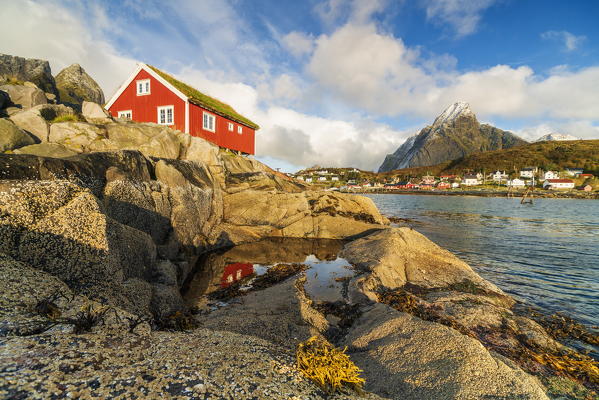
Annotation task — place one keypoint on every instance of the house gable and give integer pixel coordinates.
(145, 107)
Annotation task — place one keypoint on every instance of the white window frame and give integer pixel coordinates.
(123, 114)
(207, 126)
(165, 108)
(239, 129)
(231, 126)
(145, 84)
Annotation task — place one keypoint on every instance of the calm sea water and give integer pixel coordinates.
(545, 254)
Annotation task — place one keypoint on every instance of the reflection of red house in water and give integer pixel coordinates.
(235, 272)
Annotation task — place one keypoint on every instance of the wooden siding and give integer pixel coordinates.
(222, 137)
(145, 107)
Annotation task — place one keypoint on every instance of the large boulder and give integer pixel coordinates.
(46, 149)
(12, 137)
(35, 301)
(75, 86)
(95, 113)
(152, 140)
(247, 173)
(36, 119)
(28, 69)
(24, 96)
(77, 136)
(404, 357)
(32, 122)
(60, 228)
(200, 150)
(395, 257)
(251, 214)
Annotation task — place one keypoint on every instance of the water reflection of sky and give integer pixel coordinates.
(324, 277)
(546, 253)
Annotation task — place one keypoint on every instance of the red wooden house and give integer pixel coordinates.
(150, 95)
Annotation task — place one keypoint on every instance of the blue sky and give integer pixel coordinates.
(338, 82)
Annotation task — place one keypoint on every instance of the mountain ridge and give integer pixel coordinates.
(455, 133)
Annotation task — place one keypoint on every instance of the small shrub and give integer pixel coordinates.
(65, 118)
(88, 317)
(328, 367)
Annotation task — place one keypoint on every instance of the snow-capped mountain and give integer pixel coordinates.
(556, 136)
(454, 134)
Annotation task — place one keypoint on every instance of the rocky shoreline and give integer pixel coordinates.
(102, 223)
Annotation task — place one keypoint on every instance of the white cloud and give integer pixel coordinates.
(308, 140)
(570, 41)
(365, 68)
(583, 129)
(377, 72)
(462, 15)
(65, 38)
(298, 43)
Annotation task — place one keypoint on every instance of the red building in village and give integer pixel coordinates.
(150, 95)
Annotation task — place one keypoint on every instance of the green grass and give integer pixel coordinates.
(65, 118)
(13, 81)
(206, 101)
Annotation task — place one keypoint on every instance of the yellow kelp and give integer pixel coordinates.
(328, 367)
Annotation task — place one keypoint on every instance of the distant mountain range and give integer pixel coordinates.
(547, 155)
(557, 136)
(454, 134)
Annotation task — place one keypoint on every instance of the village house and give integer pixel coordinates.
(499, 176)
(447, 177)
(574, 171)
(558, 184)
(150, 95)
(516, 183)
(528, 172)
(428, 180)
(551, 175)
(322, 178)
(470, 180)
(309, 179)
(443, 185)
(586, 188)
(455, 185)
(335, 178)
(586, 176)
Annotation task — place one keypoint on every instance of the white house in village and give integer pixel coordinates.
(335, 178)
(574, 171)
(322, 178)
(499, 176)
(551, 175)
(516, 183)
(455, 185)
(309, 179)
(558, 184)
(470, 180)
(528, 172)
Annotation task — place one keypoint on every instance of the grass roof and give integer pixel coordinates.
(210, 103)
